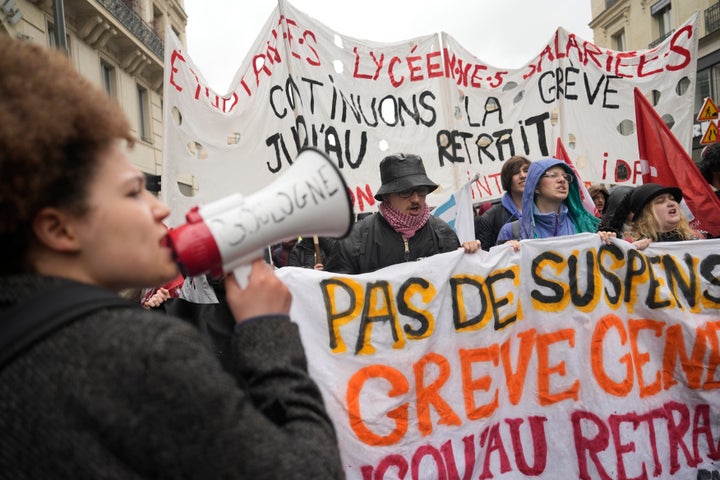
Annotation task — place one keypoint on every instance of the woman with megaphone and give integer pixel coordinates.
(93, 386)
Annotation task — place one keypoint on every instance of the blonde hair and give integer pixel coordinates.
(647, 225)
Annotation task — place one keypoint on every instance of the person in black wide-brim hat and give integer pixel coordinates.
(401, 172)
(657, 216)
(402, 230)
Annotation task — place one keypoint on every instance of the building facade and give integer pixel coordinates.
(642, 24)
(116, 44)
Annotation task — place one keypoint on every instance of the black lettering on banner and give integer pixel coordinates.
(708, 269)
(578, 299)
(557, 289)
(613, 252)
(367, 319)
(460, 314)
(332, 318)
(405, 309)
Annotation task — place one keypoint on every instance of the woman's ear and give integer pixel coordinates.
(53, 229)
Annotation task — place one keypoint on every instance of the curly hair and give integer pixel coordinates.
(54, 126)
(647, 225)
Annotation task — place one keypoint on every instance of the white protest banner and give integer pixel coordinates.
(602, 363)
(304, 84)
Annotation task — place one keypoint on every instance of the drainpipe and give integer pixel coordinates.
(60, 31)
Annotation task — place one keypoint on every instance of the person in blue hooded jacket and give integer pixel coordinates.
(551, 205)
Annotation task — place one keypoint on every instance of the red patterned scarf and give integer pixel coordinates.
(406, 225)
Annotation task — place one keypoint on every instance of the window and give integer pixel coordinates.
(618, 40)
(52, 37)
(158, 22)
(107, 72)
(661, 11)
(665, 23)
(707, 85)
(143, 113)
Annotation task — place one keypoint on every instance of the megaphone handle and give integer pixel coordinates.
(242, 274)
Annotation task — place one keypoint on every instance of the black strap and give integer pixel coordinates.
(515, 226)
(365, 246)
(27, 322)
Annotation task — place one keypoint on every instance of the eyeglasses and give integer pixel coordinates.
(555, 175)
(421, 191)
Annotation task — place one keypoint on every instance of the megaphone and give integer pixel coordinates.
(311, 198)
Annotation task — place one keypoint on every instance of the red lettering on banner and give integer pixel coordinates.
(512, 454)
(606, 448)
(596, 438)
(370, 76)
(539, 442)
(491, 437)
(684, 53)
(677, 58)
(645, 59)
(175, 56)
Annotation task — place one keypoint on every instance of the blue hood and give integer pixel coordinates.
(582, 220)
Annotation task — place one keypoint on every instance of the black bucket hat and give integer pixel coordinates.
(643, 194)
(400, 172)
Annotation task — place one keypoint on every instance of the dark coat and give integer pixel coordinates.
(489, 224)
(373, 244)
(303, 253)
(130, 393)
(617, 208)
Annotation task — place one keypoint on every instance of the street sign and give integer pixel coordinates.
(711, 134)
(709, 111)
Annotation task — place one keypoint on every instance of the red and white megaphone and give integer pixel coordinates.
(311, 198)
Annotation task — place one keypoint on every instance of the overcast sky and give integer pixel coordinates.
(503, 33)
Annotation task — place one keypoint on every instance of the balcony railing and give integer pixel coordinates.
(659, 40)
(712, 18)
(144, 32)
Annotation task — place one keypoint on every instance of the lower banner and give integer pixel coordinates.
(567, 359)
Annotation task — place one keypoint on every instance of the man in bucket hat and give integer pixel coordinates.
(402, 230)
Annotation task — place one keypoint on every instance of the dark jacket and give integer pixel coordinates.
(617, 208)
(489, 224)
(373, 244)
(130, 393)
(303, 253)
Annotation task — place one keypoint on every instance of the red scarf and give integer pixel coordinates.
(406, 225)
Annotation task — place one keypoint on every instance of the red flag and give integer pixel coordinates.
(669, 165)
(562, 154)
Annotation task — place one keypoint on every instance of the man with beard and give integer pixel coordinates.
(403, 229)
